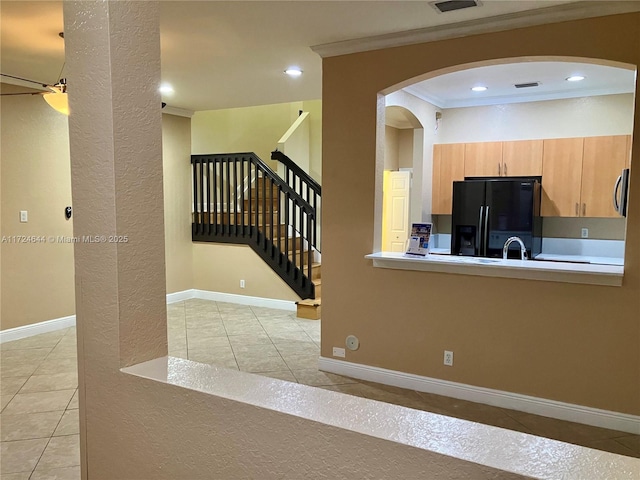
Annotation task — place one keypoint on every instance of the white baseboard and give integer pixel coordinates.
(514, 401)
(37, 328)
(246, 300)
(181, 296)
(70, 321)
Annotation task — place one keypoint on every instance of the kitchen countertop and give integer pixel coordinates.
(544, 270)
(555, 257)
(552, 257)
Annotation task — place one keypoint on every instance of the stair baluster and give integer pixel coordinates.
(243, 200)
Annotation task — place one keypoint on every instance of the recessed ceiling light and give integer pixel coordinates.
(574, 78)
(293, 71)
(166, 88)
(479, 88)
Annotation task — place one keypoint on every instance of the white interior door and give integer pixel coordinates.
(395, 214)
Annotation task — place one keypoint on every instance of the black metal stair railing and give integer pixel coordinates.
(305, 186)
(237, 198)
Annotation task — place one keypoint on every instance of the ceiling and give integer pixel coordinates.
(224, 54)
(454, 89)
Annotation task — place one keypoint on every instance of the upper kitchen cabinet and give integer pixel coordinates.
(603, 160)
(448, 166)
(483, 159)
(561, 177)
(578, 175)
(522, 158)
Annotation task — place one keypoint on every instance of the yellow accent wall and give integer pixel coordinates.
(566, 342)
(253, 129)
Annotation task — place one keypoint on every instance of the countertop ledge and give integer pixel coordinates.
(550, 271)
(498, 448)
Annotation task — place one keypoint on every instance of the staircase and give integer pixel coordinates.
(238, 199)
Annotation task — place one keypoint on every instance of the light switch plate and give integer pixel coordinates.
(24, 216)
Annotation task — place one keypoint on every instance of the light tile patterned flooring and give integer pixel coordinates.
(39, 419)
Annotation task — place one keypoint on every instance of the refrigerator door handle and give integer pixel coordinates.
(479, 231)
(486, 229)
(616, 205)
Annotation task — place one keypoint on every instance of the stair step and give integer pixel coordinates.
(258, 191)
(223, 218)
(309, 309)
(315, 271)
(291, 243)
(318, 288)
(257, 202)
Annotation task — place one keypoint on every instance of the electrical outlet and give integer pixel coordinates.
(448, 358)
(585, 233)
(339, 352)
(241, 283)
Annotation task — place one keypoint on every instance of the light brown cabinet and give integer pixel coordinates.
(561, 177)
(522, 158)
(603, 160)
(578, 175)
(483, 159)
(448, 166)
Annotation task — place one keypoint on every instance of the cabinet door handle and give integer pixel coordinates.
(584, 209)
(505, 169)
(577, 210)
(499, 174)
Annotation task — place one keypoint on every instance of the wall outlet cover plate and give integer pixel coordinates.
(339, 352)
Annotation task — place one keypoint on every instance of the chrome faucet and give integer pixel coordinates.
(523, 249)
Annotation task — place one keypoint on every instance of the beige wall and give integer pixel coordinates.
(176, 164)
(573, 117)
(37, 278)
(565, 342)
(391, 146)
(314, 107)
(405, 148)
(219, 267)
(252, 129)
(398, 148)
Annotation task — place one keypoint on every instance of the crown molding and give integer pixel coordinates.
(180, 112)
(560, 13)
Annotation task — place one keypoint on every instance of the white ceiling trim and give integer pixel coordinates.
(180, 112)
(501, 100)
(555, 14)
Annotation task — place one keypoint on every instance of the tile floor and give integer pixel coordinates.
(39, 419)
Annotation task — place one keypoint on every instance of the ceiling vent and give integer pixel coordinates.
(451, 5)
(527, 85)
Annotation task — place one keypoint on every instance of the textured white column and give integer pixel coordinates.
(113, 63)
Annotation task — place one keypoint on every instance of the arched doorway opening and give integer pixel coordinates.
(519, 125)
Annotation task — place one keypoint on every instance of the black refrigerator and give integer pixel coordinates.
(487, 211)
